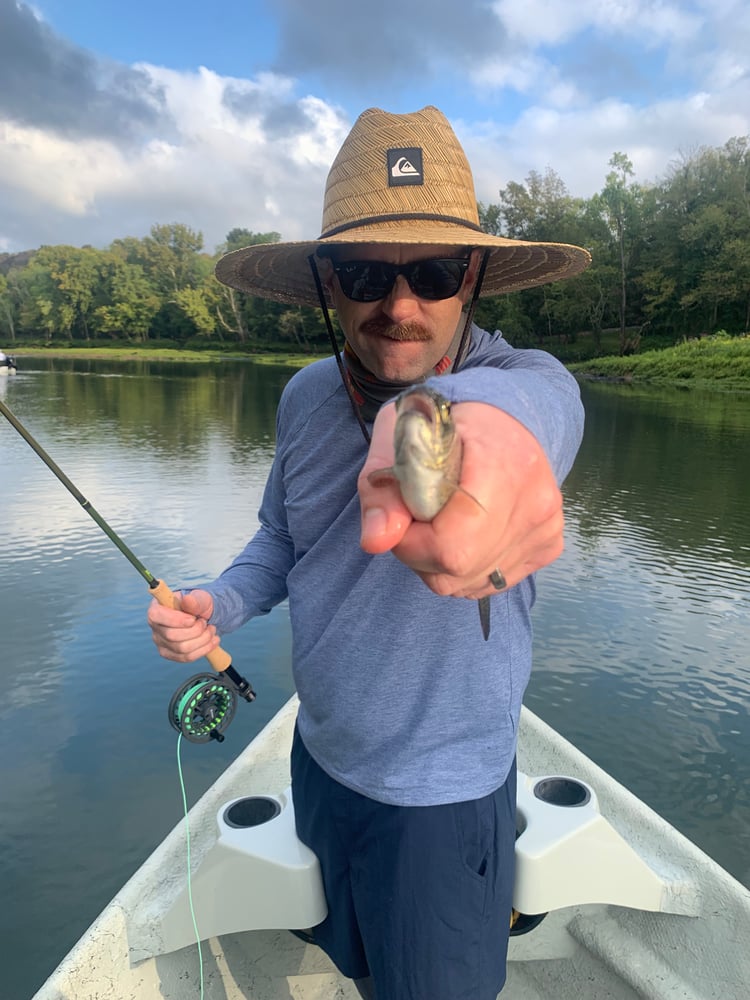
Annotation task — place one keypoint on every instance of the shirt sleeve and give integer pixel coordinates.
(530, 385)
(255, 582)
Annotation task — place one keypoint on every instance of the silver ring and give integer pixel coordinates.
(497, 580)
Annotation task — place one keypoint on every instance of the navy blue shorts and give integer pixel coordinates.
(418, 897)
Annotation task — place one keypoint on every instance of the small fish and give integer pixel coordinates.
(427, 461)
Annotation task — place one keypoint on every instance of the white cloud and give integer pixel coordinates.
(522, 73)
(54, 171)
(218, 169)
(549, 22)
(578, 143)
(215, 151)
(320, 145)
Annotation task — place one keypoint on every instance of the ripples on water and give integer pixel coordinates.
(642, 626)
(89, 783)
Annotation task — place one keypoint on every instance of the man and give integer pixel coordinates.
(403, 763)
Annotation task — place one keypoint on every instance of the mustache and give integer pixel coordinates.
(382, 326)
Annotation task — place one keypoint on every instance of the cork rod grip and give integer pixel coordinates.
(218, 658)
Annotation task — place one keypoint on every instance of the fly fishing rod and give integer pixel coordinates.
(202, 708)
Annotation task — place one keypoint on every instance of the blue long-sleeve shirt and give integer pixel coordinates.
(401, 698)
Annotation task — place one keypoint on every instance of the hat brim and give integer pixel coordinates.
(281, 271)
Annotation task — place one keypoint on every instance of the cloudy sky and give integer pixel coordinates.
(115, 116)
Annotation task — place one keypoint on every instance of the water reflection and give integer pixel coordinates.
(175, 461)
(642, 631)
(642, 625)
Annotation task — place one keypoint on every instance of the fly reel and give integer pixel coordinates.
(202, 708)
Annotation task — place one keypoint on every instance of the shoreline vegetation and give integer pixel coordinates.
(718, 361)
(139, 352)
(669, 262)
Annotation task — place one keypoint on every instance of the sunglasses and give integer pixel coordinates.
(370, 280)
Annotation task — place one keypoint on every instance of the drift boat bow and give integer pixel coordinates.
(632, 909)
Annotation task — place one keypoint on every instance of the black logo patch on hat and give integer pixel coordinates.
(405, 166)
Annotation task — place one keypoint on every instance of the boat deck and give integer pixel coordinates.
(696, 949)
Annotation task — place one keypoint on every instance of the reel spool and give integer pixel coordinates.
(202, 708)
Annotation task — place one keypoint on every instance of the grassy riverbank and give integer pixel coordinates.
(719, 361)
(144, 353)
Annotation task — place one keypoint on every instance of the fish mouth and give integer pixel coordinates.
(428, 404)
(417, 403)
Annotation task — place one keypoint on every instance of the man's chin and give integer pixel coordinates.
(401, 371)
(400, 361)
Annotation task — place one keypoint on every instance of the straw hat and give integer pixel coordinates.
(400, 179)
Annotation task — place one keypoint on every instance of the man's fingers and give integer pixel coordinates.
(516, 563)
(186, 650)
(198, 603)
(184, 634)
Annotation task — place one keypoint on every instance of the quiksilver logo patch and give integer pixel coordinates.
(404, 166)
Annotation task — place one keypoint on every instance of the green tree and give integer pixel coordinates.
(619, 204)
(73, 279)
(540, 209)
(7, 308)
(235, 312)
(128, 300)
(172, 255)
(490, 218)
(694, 278)
(195, 307)
(238, 238)
(169, 256)
(40, 301)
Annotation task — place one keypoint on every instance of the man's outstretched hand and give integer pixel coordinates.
(507, 514)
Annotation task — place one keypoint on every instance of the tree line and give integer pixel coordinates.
(671, 259)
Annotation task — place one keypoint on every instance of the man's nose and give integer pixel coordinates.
(401, 304)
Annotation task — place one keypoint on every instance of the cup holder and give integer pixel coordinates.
(252, 811)
(566, 792)
(522, 923)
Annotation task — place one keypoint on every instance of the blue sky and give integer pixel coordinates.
(116, 116)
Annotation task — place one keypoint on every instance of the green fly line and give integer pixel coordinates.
(207, 712)
(189, 866)
(204, 705)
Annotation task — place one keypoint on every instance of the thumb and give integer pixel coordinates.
(198, 603)
(385, 518)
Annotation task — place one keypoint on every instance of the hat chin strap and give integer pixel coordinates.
(463, 347)
(461, 351)
(332, 337)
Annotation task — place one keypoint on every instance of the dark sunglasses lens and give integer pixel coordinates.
(437, 279)
(365, 281)
(369, 281)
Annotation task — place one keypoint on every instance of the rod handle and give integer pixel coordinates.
(218, 658)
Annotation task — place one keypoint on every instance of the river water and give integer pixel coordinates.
(642, 649)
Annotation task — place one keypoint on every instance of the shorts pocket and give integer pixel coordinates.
(475, 828)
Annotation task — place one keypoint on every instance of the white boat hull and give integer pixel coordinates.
(690, 941)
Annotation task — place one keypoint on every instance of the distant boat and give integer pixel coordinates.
(8, 364)
(615, 902)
